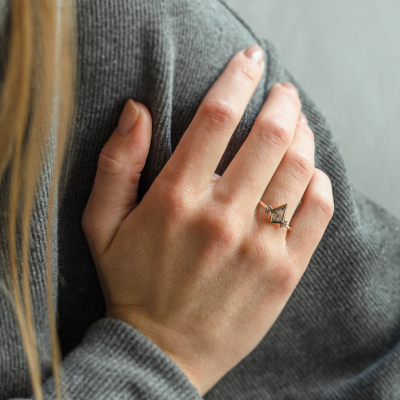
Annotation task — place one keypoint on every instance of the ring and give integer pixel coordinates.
(277, 215)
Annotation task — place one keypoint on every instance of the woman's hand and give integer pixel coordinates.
(196, 266)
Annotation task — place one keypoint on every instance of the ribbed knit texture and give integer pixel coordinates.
(339, 335)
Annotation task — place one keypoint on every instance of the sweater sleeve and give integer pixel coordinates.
(115, 361)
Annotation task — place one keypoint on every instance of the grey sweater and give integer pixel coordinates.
(339, 335)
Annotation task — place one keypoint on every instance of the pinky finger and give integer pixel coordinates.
(311, 218)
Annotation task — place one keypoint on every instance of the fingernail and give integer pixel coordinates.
(128, 118)
(290, 87)
(303, 118)
(255, 53)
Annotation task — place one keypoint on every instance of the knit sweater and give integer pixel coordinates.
(338, 336)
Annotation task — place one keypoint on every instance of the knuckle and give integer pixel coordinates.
(324, 206)
(174, 200)
(285, 278)
(247, 70)
(289, 95)
(109, 165)
(302, 164)
(220, 112)
(275, 132)
(306, 130)
(223, 229)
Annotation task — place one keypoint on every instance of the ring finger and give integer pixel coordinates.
(293, 174)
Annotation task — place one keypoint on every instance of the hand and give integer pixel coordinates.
(196, 266)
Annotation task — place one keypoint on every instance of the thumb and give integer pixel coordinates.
(114, 193)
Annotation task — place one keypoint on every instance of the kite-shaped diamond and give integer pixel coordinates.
(277, 215)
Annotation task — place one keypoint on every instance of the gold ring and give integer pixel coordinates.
(277, 215)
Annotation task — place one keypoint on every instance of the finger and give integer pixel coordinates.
(203, 144)
(293, 175)
(121, 161)
(311, 218)
(257, 160)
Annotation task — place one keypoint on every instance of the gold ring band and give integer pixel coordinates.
(277, 215)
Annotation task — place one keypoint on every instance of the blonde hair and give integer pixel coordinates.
(37, 94)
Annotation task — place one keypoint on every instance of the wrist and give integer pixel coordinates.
(174, 344)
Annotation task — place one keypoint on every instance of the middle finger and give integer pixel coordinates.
(249, 173)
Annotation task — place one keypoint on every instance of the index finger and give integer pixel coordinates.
(203, 144)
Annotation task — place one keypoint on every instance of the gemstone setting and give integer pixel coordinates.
(267, 209)
(285, 224)
(277, 215)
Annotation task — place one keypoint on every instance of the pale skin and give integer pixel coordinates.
(196, 266)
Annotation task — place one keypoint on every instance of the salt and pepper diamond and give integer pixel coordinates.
(285, 224)
(277, 215)
(267, 209)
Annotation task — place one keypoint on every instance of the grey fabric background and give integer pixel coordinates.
(346, 55)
